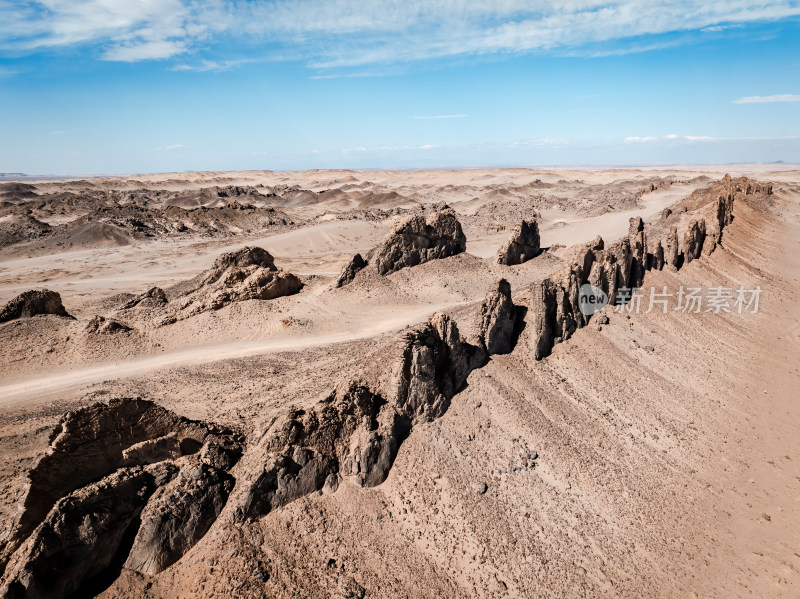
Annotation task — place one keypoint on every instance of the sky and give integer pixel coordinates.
(137, 86)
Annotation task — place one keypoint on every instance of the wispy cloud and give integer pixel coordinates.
(766, 99)
(212, 65)
(338, 33)
(171, 148)
(670, 137)
(152, 50)
(441, 116)
(701, 138)
(347, 75)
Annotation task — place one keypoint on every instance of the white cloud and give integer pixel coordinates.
(144, 51)
(701, 138)
(129, 31)
(211, 65)
(441, 116)
(176, 147)
(337, 33)
(427, 147)
(764, 99)
(670, 137)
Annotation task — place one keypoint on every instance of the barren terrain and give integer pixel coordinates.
(411, 429)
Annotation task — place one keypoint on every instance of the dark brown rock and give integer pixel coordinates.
(673, 256)
(93, 442)
(523, 245)
(355, 432)
(693, 239)
(350, 270)
(32, 303)
(497, 320)
(418, 240)
(82, 535)
(177, 516)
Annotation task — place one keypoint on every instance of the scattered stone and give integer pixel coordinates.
(480, 487)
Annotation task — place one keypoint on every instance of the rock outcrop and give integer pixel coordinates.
(247, 274)
(672, 250)
(351, 269)
(355, 433)
(100, 325)
(150, 299)
(419, 239)
(693, 239)
(81, 536)
(498, 318)
(104, 464)
(178, 515)
(523, 245)
(555, 306)
(32, 303)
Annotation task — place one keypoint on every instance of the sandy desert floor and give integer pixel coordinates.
(667, 459)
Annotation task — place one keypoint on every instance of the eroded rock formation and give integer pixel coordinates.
(554, 310)
(419, 239)
(246, 274)
(32, 303)
(523, 245)
(350, 270)
(356, 431)
(498, 318)
(693, 239)
(100, 325)
(152, 298)
(105, 464)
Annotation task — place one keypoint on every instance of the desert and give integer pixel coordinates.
(366, 383)
(441, 299)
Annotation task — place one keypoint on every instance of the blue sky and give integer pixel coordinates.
(125, 86)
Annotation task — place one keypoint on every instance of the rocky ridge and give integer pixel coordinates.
(621, 266)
